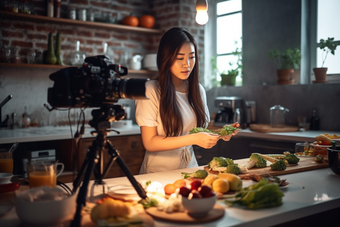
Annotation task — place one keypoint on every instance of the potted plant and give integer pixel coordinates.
(327, 46)
(229, 77)
(286, 61)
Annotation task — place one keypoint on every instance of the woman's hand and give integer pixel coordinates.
(228, 137)
(206, 140)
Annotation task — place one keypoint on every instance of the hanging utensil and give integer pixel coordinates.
(13, 147)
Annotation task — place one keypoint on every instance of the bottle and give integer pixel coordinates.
(50, 58)
(314, 121)
(57, 8)
(58, 49)
(50, 8)
(26, 121)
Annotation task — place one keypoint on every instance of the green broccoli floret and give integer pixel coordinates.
(233, 169)
(217, 162)
(257, 161)
(292, 159)
(229, 161)
(200, 129)
(201, 174)
(278, 165)
(149, 202)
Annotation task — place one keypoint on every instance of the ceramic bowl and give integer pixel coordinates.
(199, 207)
(334, 159)
(51, 209)
(5, 178)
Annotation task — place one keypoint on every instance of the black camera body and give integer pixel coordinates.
(94, 84)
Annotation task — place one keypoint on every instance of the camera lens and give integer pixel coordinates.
(130, 88)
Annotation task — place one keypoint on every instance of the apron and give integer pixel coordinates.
(161, 161)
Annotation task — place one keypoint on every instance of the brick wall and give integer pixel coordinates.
(33, 82)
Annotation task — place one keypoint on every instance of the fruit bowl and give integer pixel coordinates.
(199, 207)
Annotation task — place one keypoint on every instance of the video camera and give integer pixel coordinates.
(96, 83)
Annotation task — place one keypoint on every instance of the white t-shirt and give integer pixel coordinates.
(147, 114)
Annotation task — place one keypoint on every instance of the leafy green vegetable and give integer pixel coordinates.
(257, 161)
(292, 159)
(147, 203)
(278, 165)
(259, 195)
(201, 174)
(233, 168)
(226, 130)
(229, 161)
(200, 129)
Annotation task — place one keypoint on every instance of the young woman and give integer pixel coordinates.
(177, 103)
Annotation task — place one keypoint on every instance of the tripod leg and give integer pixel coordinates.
(115, 155)
(81, 198)
(80, 174)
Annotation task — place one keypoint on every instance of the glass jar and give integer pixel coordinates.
(277, 116)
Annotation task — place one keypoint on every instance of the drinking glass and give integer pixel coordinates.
(7, 54)
(31, 57)
(6, 162)
(43, 173)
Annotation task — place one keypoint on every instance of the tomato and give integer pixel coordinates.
(9, 187)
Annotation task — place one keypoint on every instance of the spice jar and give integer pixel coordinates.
(57, 8)
(72, 13)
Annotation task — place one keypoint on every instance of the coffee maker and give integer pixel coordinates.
(231, 111)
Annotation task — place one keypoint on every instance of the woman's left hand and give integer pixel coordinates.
(228, 137)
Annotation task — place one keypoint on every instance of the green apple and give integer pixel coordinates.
(235, 182)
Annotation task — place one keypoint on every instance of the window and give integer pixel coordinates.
(229, 37)
(327, 26)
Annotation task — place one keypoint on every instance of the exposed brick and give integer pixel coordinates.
(137, 38)
(37, 36)
(102, 35)
(41, 45)
(130, 45)
(40, 28)
(5, 24)
(74, 39)
(95, 42)
(6, 42)
(87, 50)
(113, 44)
(79, 2)
(23, 26)
(84, 34)
(66, 31)
(100, 4)
(67, 47)
(12, 34)
(21, 44)
(120, 37)
(194, 31)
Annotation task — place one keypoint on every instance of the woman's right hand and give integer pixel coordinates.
(206, 140)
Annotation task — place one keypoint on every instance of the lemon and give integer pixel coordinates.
(235, 182)
(220, 185)
(210, 179)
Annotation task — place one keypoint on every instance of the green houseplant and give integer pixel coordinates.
(327, 46)
(286, 61)
(229, 77)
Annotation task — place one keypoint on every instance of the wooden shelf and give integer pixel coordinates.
(42, 66)
(64, 21)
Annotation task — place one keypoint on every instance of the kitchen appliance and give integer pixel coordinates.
(277, 116)
(41, 155)
(231, 110)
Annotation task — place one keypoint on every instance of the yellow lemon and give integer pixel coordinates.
(210, 179)
(220, 185)
(235, 182)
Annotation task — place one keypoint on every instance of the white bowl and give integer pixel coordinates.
(47, 212)
(5, 178)
(199, 207)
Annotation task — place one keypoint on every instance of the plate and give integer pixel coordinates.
(123, 192)
(284, 186)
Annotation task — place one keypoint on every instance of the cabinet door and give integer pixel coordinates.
(235, 148)
(270, 146)
(204, 156)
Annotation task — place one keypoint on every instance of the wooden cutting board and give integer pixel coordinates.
(267, 128)
(305, 164)
(182, 217)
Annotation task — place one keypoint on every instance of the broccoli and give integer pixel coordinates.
(233, 169)
(217, 162)
(201, 174)
(229, 161)
(200, 129)
(149, 202)
(278, 165)
(257, 161)
(292, 159)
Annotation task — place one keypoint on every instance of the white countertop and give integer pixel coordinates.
(308, 193)
(46, 133)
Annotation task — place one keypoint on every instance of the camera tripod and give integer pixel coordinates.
(94, 161)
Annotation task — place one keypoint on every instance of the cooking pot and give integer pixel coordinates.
(277, 116)
(334, 159)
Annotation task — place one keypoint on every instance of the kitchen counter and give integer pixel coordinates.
(308, 193)
(47, 133)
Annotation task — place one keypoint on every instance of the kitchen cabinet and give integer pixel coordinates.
(87, 24)
(131, 150)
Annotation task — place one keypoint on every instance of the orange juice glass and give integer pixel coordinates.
(43, 173)
(6, 162)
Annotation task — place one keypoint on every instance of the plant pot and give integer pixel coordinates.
(228, 79)
(285, 74)
(320, 74)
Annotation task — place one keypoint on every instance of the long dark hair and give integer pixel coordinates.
(170, 114)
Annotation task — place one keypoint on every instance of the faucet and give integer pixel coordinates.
(4, 123)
